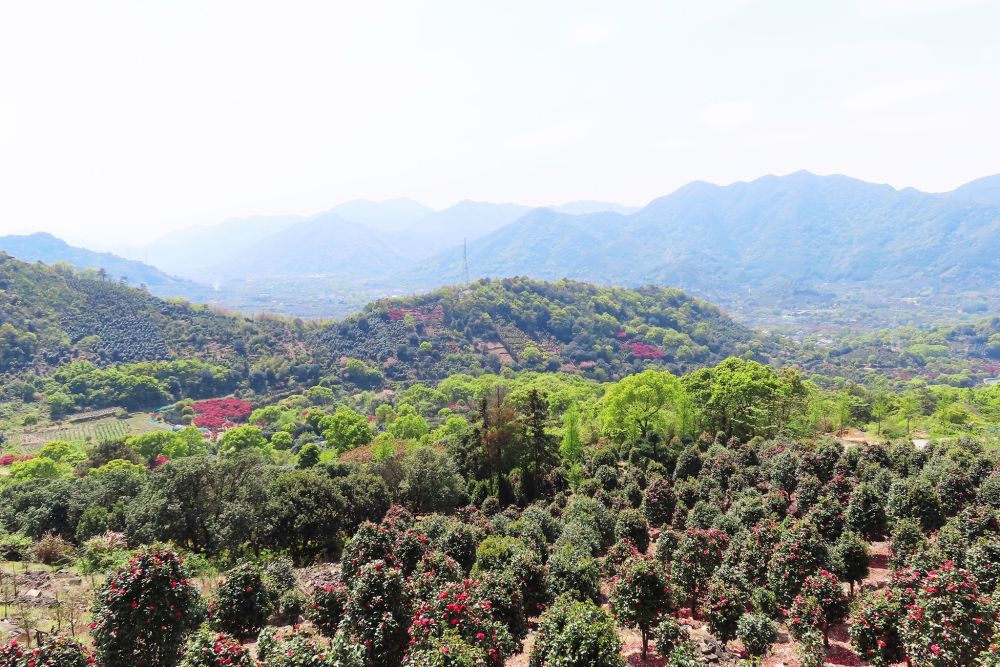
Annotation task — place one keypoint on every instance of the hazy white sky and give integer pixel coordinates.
(120, 120)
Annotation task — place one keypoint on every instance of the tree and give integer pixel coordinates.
(345, 429)
(144, 611)
(640, 596)
(639, 404)
(910, 406)
(740, 398)
(849, 558)
(539, 455)
(241, 439)
(308, 455)
(304, 513)
(571, 447)
(575, 633)
(881, 408)
(431, 482)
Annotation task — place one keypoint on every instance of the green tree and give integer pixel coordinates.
(640, 404)
(539, 452)
(571, 447)
(241, 439)
(345, 429)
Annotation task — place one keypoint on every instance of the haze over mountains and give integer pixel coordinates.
(797, 240)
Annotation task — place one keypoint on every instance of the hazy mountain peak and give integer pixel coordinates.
(586, 207)
(384, 216)
(984, 190)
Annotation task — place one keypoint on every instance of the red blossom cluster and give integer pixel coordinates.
(11, 459)
(457, 606)
(643, 350)
(217, 414)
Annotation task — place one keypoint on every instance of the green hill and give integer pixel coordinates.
(53, 315)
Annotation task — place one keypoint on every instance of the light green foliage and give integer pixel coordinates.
(241, 439)
(643, 403)
(345, 429)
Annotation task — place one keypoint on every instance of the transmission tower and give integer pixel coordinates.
(465, 259)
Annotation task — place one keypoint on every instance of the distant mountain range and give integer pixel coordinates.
(45, 248)
(779, 243)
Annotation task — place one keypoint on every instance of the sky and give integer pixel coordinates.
(122, 120)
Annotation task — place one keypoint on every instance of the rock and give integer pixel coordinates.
(74, 582)
(33, 593)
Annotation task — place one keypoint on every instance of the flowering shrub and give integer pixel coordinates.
(949, 621)
(217, 414)
(326, 607)
(641, 596)
(698, 554)
(669, 634)
(576, 634)
(10, 654)
(53, 652)
(849, 558)
(820, 604)
(243, 602)
(632, 526)
(874, 627)
(751, 551)
(509, 554)
(449, 650)
(724, 604)
(433, 571)
(460, 608)
(376, 612)
(11, 459)
(643, 350)
(408, 548)
(500, 595)
(371, 542)
(658, 501)
(619, 553)
(211, 649)
(144, 611)
(798, 554)
(300, 650)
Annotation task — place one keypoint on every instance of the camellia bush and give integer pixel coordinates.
(376, 613)
(215, 649)
(641, 596)
(325, 608)
(949, 621)
(144, 611)
(572, 633)
(243, 602)
(53, 652)
(874, 627)
(819, 605)
(695, 559)
(459, 607)
(799, 553)
(724, 605)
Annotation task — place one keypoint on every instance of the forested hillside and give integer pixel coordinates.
(51, 316)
